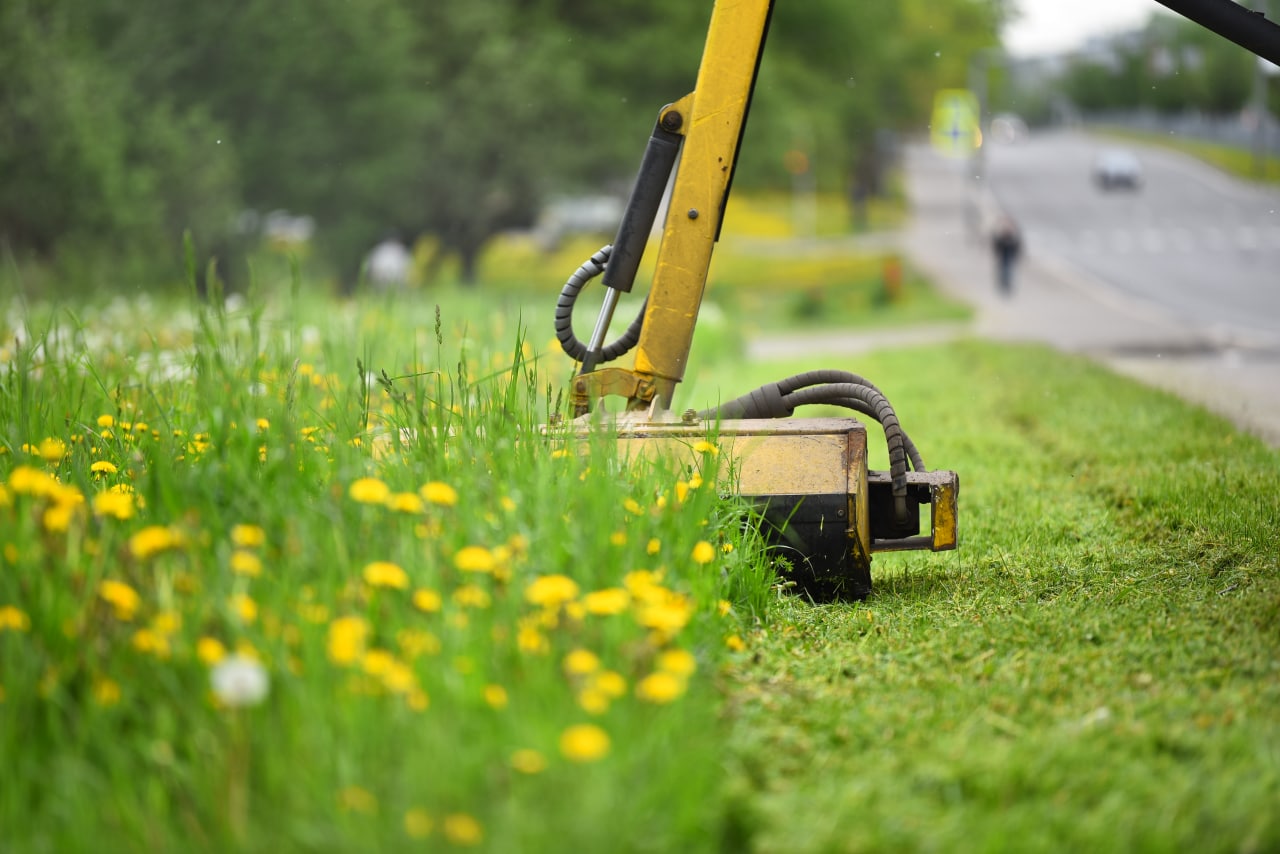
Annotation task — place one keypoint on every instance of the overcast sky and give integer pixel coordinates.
(1053, 26)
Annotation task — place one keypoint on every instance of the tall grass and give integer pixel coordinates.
(301, 575)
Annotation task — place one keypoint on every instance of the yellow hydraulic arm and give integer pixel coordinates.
(823, 510)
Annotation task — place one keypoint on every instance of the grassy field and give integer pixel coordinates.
(288, 574)
(1095, 669)
(310, 578)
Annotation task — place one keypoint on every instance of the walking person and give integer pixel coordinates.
(1007, 243)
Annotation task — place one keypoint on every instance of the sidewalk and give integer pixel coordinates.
(1058, 305)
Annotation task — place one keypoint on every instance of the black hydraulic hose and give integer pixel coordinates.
(824, 377)
(884, 413)
(780, 399)
(575, 348)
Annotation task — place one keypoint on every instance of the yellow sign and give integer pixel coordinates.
(954, 128)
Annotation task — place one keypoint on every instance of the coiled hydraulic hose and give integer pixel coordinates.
(569, 342)
(774, 400)
(838, 388)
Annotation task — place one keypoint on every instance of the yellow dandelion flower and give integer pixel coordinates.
(246, 563)
(28, 480)
(702, 446)
(369, 490)
(13, 619)
(495, 696)
(210, 651)
(346, 639)
(584, 743)
(117, 505)
(668, 615)
(57, 519)
(644, 584)
(417, 823)
(653, 546)
(439, 493)
(382, 573)
(724, 607)
(167, 622)
(703, 552)
(735, 643)
(244, 607)
(416, 642)
(474, 559)
(530, 640)
(357, 799)
(593, 702)
(52, 450)
(471, 596)
(528, 761)
(244, 536)
(660, 687)
(102, 467)
(106, 421)
(400, 679)
(677, 662)
(580, 662)
(695, 481)
(682, 491)
(263, 424)
(406, 502)
(607, 602)
(418, 700)
(507, 503)
(152, 540)
(377, 662)
(632, 506)
(610, 683)
(148, 641)
(618, 538)
(106, 692)
(551, 591)
(727, 548)
(123, 598)
(426, 600)
(462, 829)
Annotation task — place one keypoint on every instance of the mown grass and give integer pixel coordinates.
(471, 634)
(1094, 670)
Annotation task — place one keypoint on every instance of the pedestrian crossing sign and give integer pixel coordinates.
(954, 127)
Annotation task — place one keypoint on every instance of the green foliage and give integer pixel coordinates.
(129, 123)
(1177, 65)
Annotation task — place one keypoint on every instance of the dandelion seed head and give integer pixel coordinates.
(239, 681)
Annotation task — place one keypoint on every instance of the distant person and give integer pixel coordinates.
(388, 265)
(1007, 243)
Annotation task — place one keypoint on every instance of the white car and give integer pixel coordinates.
(1117, 168)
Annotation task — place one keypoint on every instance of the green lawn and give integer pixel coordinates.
(1095, 669)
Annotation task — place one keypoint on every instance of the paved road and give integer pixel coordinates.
(1078, 295)
(1191, 241)
(1062, 301)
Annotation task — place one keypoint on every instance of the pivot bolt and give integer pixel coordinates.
(672, 121)
(690, 416)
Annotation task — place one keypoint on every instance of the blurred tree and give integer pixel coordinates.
(91, 167)
(127, 121)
